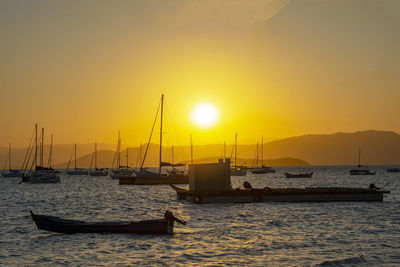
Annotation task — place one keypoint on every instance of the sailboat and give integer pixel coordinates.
(41, 174)
(97, 171)
(262, 169)
(11, 172)
(393, 170)
(360, 170)
(146, 177)
(300, 174)
(175, 171)
(237, 170)
(76, 170)
(121, 171)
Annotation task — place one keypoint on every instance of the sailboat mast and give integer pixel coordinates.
(257, 156)
(75, 156)
(359, 155)
(36, 145)
(262, 151)
(172, 156)
(95, 156)
(9, 156)
(235, 148)
(127, 157)
(119, 151)
(161, 122)
(224, 150)
(51, 151)
(140, 154)
(191, 149)
(41, 148)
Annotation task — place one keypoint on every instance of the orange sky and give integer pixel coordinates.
(86, 69)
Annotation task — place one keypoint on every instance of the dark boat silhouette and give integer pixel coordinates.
(76, 170)
(11, 172)
(58, 225)
(299, 175)
(261, 169)
(360, 170)
(393, 170)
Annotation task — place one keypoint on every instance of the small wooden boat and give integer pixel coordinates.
(393, 170)
(299, 175)
(58, 225)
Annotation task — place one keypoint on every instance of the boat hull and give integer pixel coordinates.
(154, 180)
(301, 175)
(238, 172)
(393, 170)
(78, 172)
(357, 172)
(98, 173)
(281, 195)
(11, 174)
(117, 175)
(41, 178)
(55, 224)
(262, 171)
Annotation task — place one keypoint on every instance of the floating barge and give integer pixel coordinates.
(155, 180)
(210, 183)
(308, 194)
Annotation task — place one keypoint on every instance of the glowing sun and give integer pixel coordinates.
(204, 115)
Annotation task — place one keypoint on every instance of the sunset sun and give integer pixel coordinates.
(204, 115)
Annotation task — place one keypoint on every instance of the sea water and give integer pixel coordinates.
(257, 234)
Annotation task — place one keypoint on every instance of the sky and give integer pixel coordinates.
(85, 70)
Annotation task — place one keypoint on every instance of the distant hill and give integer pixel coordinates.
(377, 148)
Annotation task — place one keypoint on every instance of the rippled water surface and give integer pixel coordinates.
(260, 234)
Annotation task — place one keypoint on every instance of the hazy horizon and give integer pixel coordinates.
(378, 148)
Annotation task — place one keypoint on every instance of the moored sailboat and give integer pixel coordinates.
(360, 170)
(146, 177)
(393, 170)
(41, 174)
(262, 169)
(299, 175)
(97, 171)
(237, 170)
(76, 170)
(121, 171)
(10, 172)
